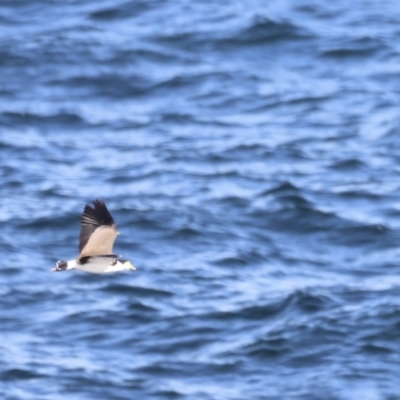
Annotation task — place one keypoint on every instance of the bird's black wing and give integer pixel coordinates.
(93, 219)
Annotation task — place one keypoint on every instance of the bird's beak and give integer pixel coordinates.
(56, 269)
(129, 266)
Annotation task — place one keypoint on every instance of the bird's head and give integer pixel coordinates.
(60, 266)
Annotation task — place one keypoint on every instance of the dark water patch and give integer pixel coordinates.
(148, 223)
(250, 257)
(160, 369)
(75, 383)
(10, 271)
(234, 202)
(140, 307)
(284, 187)
(107, 85)
(186, 233)
(12, 119)
(317, 341)
(184, 81)
(126, 57)
(168, 394)
(362, 47)
(27, 296)
(267, 348)
(299, 301)
(353, 295)
(265, 29)
(386, 78)
(202, 82)
(66, 221)
(371, 236)
(348, 165)
(6, 146)
(375, 349)
(259, 31)
(13, 59)
(391, 133)
(122, 11)
(289, 200)
(230, 172)
(360, 193)
(177, 117)
(136, 290)
(14, 184)
(191, 369)
(312, 359)
(295, 217)
(181, 344)
(310, 303)
(94, 337)
(230, 262)
(244, 152)
(19, 374)
(299, 214)
(54, 192)
(320, 11)
(94, 318)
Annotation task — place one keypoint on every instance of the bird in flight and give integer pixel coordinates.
(96, 240)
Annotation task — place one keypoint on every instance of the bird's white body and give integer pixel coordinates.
(100, 265)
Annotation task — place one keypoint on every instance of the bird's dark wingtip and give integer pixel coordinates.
(98, 203)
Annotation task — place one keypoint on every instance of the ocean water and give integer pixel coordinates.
(250, 155)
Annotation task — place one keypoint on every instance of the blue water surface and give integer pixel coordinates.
(249, 153)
